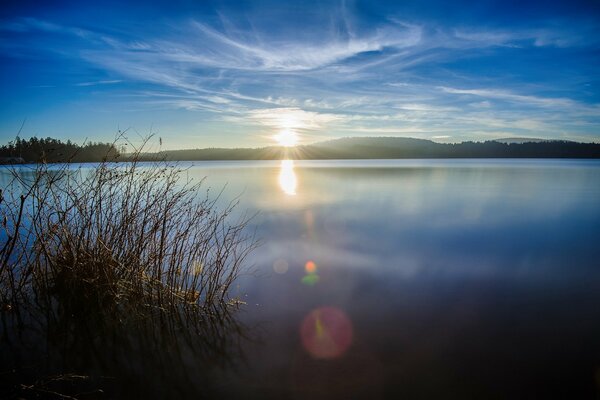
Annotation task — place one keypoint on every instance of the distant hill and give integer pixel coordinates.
(393, 147)
(520, 140)
(366, 147)
(265, 153)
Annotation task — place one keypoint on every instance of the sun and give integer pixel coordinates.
(286, 138)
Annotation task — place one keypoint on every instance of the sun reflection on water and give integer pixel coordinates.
(287, 177)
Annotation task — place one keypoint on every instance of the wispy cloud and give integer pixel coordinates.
(540, 37)
(23, 25)
(508, 96)
(278, 55)
(95, 83)
(335, 73)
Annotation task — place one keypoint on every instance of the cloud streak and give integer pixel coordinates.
(500, 94)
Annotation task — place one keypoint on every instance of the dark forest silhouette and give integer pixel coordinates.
(53, 150)
(392, 148)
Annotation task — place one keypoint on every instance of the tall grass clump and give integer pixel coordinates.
(115, 278)
(138, 239)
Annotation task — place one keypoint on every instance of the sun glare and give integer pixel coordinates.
(287, 138)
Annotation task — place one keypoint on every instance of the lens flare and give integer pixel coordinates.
(326, 333)
(310, 279)
(280, 266)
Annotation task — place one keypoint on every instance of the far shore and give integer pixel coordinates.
(356, 148)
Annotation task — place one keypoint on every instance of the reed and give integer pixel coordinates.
(130, 238)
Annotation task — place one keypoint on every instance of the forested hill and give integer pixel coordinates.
(53, 150)
(390, 147)
(393, 147)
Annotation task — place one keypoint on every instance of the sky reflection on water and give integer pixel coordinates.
(459, 278)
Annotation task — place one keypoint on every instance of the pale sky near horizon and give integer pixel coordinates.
(236, 74)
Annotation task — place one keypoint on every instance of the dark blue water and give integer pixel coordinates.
(463, 278)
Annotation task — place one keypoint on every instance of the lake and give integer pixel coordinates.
(416, 278)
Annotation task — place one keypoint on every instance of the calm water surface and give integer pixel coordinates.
(418, 278)
(461, 278)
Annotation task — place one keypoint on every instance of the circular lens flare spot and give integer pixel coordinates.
(310, 267)
(326, 333)
(280, 266)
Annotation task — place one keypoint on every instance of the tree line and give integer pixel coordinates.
(389, 148)
(395, 147)
(54, 150)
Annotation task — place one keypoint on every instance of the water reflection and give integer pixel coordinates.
(417, 278)
(454, 273)
(287, 177)
(57, 353)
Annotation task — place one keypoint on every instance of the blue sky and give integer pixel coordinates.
(234, 74)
